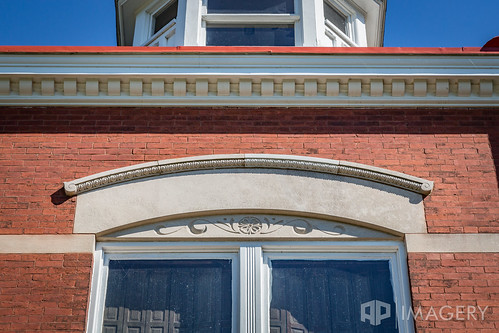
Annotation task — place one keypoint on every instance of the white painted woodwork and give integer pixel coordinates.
(486, 88)
(255, 79)
(288, 88)
(464, 88)
(250, 271)
(135, 87)
(250, 18)
(48, 87)
(250, 292)
(245, 87)
(376, 87)
(25, 87)
(69, 87)
(420, 88)
(365, 23)
(202, 87)
(114, 87)
(310, 87)
(4, 86)
(442, 88)
(332, 88)
(179, 87)
(398, 88)
(354, 88)
(223, 87)
(157, 87)
(267, 87)
(92, 87)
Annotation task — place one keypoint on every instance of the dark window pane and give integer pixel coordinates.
(166, 16)
(326, 296)
(335, 17)
(257, 35)
(168, 296)
(251, 6)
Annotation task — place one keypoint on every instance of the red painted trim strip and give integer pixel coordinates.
(240, 50)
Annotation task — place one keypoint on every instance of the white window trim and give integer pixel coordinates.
(356, 28)
(250, 18)
(144, 23)
(235, 18)
(311, 29)
(251, 303)
(166, 32)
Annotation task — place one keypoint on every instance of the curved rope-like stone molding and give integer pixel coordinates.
(213, 162)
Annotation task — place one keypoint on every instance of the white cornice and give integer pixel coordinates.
(238, 79)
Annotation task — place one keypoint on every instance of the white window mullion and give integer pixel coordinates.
(194, 30)
(359, 30)
(310, 25)
(251, 294)
(143, 24)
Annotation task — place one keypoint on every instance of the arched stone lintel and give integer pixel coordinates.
(303, 191)
(210, 162)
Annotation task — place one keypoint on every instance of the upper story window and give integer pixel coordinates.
(334, 17)
(251, 23)
(157, 24)
(165, 17)
(250, 35)
(251, 7)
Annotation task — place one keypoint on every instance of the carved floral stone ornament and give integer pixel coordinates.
(246, 226)
(249, 161)
(250, 225)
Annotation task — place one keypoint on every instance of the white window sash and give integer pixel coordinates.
(251, 271)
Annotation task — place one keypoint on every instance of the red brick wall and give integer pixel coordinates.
(446, 281)
(44, 292)
(42, 147)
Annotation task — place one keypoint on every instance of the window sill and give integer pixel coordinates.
(251, 18)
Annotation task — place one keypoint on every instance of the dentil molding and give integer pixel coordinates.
(241, 79)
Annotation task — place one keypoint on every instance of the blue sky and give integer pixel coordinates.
(409, 23)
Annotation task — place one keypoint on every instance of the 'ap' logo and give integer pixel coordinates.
(377, 312)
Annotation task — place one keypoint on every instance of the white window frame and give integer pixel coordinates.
(311, 28)
(356, 28)
(251, 271)
(144, 24)
(228, 19)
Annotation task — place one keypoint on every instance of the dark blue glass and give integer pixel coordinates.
(251, 36)
(251, 6)
(330, 296)
(166, 16)
(168, 296)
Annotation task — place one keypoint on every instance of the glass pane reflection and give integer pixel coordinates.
(257, 35)
(168, 296)
(252, 6)
(326, 296)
